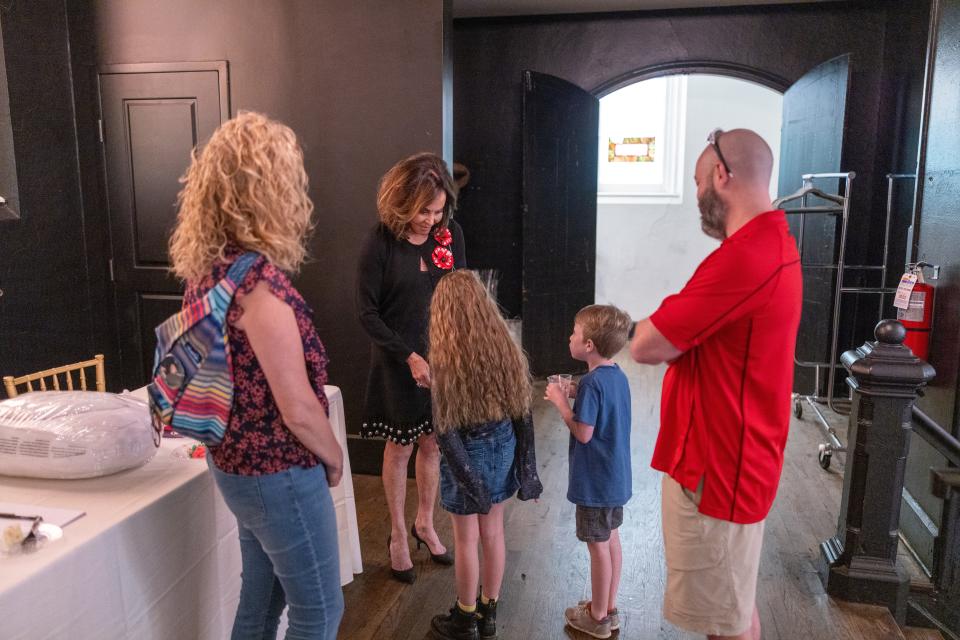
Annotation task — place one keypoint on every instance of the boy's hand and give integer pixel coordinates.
(555, 394)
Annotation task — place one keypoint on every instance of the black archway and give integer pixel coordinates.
(687, 67)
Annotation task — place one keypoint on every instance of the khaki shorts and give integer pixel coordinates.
(712, 566)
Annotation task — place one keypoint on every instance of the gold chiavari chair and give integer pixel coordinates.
(49, 379)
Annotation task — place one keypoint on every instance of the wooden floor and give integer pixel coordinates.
(548, 569)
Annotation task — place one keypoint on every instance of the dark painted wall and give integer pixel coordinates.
(939, 234)
(8, 164)
(906, 95)
(885, 41)
(939, 239)
(361, 83)
(900, 103)
(47, 315)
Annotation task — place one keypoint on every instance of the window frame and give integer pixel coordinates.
(670, 189)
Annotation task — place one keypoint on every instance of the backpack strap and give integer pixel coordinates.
(238, 270)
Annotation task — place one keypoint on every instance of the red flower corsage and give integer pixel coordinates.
(443, 236)
(442, 257)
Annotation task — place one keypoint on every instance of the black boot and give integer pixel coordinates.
(487, 619)
(456, 625)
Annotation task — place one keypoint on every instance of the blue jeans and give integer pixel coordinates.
(288, 545)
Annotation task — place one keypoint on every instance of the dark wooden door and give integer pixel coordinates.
(560, 128)
(152, 117)
(811, 141)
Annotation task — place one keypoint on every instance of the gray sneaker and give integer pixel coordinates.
(613, 615)
(579, 618)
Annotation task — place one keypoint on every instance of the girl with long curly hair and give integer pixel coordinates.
(481, 412)
(246, 191)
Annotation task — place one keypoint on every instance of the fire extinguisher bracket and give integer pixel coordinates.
(920, 266)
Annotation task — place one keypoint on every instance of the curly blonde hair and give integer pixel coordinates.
(478, 373)
(409, 186)
(247, 188)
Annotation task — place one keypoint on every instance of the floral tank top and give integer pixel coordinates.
(257, 441)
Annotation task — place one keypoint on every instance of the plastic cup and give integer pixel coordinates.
(554, 379)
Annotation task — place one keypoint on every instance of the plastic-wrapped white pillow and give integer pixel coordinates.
(73, 434)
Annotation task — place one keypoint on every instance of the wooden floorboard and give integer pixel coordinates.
(548, 569)
(916, 633)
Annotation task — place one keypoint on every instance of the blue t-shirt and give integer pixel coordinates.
(600, 472)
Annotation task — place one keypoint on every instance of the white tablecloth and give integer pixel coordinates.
(156, 556)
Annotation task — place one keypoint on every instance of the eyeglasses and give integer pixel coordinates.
(714, 141)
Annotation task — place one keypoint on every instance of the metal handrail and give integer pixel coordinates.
(936, 436)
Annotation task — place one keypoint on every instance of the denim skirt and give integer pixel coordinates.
(490, 448)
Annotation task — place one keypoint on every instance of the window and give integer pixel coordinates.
(641, 143)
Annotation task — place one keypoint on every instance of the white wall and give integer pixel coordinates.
(647, 252)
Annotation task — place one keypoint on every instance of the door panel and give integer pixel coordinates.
(153, 116)
(814, 112)
(560, 128)
(163, 134)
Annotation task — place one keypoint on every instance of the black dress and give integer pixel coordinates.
(393, 300)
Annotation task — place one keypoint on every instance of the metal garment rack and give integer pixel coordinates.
(836, 205)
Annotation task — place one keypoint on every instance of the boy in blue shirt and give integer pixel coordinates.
(600, 480)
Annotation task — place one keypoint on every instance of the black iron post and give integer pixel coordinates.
(859, 563)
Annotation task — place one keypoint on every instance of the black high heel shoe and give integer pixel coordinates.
(407, 576)
(440, 558)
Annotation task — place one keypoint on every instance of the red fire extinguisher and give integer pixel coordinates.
(917, 318)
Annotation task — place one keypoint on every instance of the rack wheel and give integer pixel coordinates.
(823, 457)
(798, 409)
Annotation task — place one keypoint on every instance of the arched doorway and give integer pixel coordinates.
(648, 225)
(559, 188)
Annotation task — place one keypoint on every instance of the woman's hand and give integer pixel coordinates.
(419, 369)
(334, 472)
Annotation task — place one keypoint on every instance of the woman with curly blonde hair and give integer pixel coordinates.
(246, 191)
(406, 253)
(481, 413)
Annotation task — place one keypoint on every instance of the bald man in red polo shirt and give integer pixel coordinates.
(729, 337)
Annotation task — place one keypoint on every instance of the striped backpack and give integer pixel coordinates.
(192, 387)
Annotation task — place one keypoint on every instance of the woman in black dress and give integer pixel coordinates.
(415, 243)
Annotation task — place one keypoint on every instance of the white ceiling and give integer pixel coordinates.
(489, 8)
